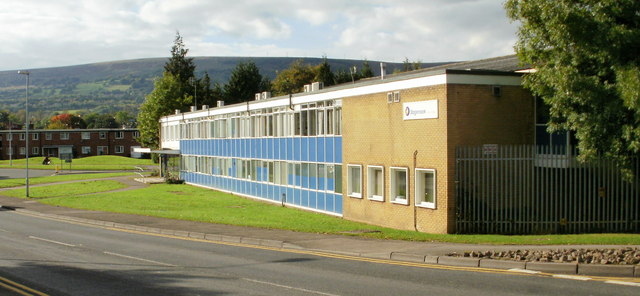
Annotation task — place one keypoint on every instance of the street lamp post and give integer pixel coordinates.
(26, 136)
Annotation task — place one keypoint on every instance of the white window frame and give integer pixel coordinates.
(420, 188)
(22, 136)
(35, 150)
(103, 135)
(23, 150)
(64, 136)
(48, 136)
(350, 190)
(86, 149)
(372, 182)
(86, 135)
(394, 195)
(119, 135)
(35, 136)
(119, 149)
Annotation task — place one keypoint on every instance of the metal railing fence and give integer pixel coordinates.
(537, 190)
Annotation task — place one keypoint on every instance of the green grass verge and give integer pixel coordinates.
(186, 202)
(58, 178)
(67, 189)
(103, 162)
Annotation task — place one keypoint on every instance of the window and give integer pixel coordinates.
(35, 150)
(375, 183)
(136, 134)
(86, 149)
(64, 136)
(119, 135)
(35, 136)
(103, 135)
(102, 150)
(354, 184)
(398, 185)
(426, 188)
(23, 151)
(22, 136)
(48, 136)
(119, 149)
(86, 135)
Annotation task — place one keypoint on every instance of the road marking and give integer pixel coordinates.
(288, 287)
(139, 259)
(18, 288)
(515, 271)
(524, 271)
(623, 283)
(571, 277)
(51, 241)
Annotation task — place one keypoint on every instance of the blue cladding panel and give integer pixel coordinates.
(283, 148)
(320, 149)
(320, 201)
(338, 149)
(329, 201)
(312, 199)
(305, 198)
(296, 149)
(304, 149)
(338, 204)
(329, 150)
(313, 149)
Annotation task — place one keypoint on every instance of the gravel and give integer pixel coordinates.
(622, 256)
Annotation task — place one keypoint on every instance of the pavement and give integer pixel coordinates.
(405, 251)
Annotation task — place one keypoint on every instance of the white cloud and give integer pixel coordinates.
(42, 33)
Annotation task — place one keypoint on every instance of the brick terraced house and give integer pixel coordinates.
(84, 142)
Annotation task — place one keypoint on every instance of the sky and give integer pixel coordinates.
(52, 33)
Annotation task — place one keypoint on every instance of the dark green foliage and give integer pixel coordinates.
(323, 73)
(245, 81)
(366, 71)
(179, 65)
(586, 57)
(95, 120)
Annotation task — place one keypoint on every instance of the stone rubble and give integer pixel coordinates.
(622, 256)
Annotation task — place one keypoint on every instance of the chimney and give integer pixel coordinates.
(220, 103)
(383, 70)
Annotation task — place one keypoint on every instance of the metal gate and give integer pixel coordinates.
(537, 190)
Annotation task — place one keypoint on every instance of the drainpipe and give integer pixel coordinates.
(415, 214)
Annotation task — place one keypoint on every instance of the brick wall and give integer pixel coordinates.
(376, 134)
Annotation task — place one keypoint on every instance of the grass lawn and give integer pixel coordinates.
(103, 162)
(58, 178)
(67, 189)
(186, 202)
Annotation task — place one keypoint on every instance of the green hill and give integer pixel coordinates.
(122, 85)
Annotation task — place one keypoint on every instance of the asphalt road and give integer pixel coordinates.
(21, 173)
(60, 258)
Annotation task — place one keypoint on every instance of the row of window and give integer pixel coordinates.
(85, 150)
(425, 184)
(314, 119)
(65, 136)
(309, 175)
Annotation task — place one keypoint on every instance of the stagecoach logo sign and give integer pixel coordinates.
(420, 110)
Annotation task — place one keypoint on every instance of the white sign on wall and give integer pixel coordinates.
(420, 110)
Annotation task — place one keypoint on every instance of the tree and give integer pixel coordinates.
(245, 81)
(587, 70)
(293, 79)
(166, 96)
(366, 71)
(95, 120)
(323, 73)
(172, 91)
(178, 64)
(125, 119)
(66, 121)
